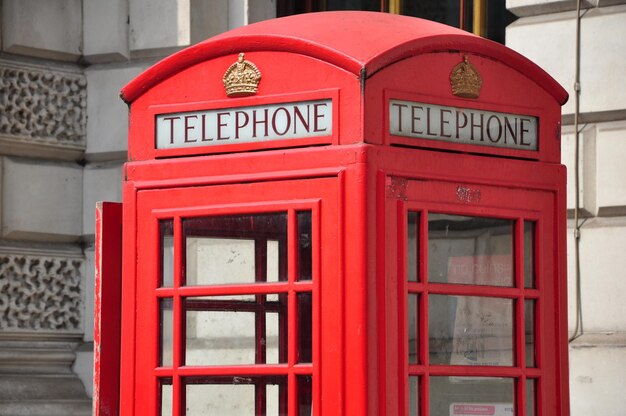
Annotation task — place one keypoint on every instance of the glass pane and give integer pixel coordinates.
(471, 396)
(305, 395)
(235, 396)
(166, 230)
(529, 254)
(305, 327)
(273, 271)
(305, 246)
(221, 330)
(411, 255)
(412, 321)
(530, 397)
(529, 310)
(470, 250)
(232, 249)
(414, 401)
(166, 397)
(470, 330)
(166, 328)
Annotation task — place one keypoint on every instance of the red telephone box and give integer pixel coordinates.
(344, 213)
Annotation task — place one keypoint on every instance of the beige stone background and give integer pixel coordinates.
(63, 133)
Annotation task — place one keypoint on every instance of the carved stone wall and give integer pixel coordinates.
(40, 293)
(43, 105)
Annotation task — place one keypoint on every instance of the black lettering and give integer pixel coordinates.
(510, 129)
(399, 114)
(220, 125)
(522, 131)
(238, 124)
(414, 118)
(460, 126)
(430, 133)
(255, 122)
(442, 122)
(489, 136)
(204, 138)
(475, 125)
(187, 128)
(317, 116)
(297, 115)
(274, 127)
(171, 120)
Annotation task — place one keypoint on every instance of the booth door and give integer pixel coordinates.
(479, 288)
(229, 283)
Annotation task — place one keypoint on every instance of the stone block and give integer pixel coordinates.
(105, 28)
(534, 7)
(237, 13)
(88, 273)
(603, 263)
(611, 169)
(158, 27)
(43, 110)
(83, 367)
(101, 182)
(41, 201)
(597, 363)
(603, 64)
(549, 41)
(208, 18)
(107, 122)
(586, 167)
(260, 10)
(48, 29)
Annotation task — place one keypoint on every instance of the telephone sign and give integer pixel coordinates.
(244, 124)
(342, 213)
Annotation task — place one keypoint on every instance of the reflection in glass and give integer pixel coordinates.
(305, 246)
(166, 397)
(166, 230)
(305, 327)
(469, 395)
(233, 249)
(414, 396)
(411, 255)
(470, 250)
(166, 329)
(530, 397)
(529, 254)
(235, 395)
(221, 330)
(305, 395)
(529, 318)
(470, 330)
(412, 321)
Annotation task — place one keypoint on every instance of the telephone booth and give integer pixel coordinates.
(343, 213)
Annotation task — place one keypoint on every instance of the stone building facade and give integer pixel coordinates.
(63, 132)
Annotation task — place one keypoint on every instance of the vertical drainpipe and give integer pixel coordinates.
(578, 329)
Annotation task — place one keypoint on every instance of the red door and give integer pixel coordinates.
(479, 295)
(229, 283)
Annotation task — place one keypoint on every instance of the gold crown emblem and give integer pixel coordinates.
(465, 80)
(241, 78)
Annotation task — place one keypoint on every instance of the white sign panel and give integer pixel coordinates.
(477, 409)
(244, 124)
(462, 125)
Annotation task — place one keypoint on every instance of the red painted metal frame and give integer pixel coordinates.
(359, 183)
(107, 308)
(505, 193)
(184, 205)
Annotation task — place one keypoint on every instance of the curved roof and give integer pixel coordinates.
(359, 42)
